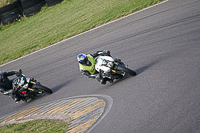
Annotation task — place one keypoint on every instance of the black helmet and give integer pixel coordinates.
(82, 58)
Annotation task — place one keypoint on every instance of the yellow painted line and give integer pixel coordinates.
(84, 126)
(21, 114)
(65, 106)
(86, 110)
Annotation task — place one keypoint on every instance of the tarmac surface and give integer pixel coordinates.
(160, 43)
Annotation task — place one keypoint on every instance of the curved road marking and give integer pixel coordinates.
(82, 113)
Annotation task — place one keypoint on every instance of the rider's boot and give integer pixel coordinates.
(17, 99)
(8, 92)
(103, 81)
(110, 80)
(24, 99)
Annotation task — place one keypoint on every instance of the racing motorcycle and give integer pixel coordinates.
(112, 68)
(29, 88)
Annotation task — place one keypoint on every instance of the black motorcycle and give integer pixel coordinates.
(28, 88)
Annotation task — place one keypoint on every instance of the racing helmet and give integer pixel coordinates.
(82, 58)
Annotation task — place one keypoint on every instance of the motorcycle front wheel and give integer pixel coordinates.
(44, 89)
(126, 70)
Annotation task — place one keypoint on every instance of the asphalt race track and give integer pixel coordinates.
(161, 43)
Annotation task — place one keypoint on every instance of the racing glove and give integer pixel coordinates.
(106, 52)
(19, 73)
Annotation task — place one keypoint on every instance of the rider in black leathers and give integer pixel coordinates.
(6, 85)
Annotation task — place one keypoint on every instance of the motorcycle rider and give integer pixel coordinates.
(6, 85)
(87, 65)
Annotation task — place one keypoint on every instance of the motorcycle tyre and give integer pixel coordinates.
(126, 70)
(44, 88)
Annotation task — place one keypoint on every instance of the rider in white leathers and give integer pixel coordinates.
(87, 65)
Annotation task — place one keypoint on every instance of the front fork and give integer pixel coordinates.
(114, 71)
(33, 86)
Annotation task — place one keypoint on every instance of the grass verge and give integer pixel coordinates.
(51, 25)
(38, 126)
(59, 22)
(6, 2)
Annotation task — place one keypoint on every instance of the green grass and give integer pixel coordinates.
(38, 126)
(52, 25)
(59, 22)
(6, 2)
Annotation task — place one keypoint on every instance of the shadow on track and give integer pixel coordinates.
(57, 88)
(138, 71)
(144, 68)
(54, 89)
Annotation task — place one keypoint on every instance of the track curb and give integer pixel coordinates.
(82, 113)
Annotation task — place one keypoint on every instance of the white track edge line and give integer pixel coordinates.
(85, 32)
